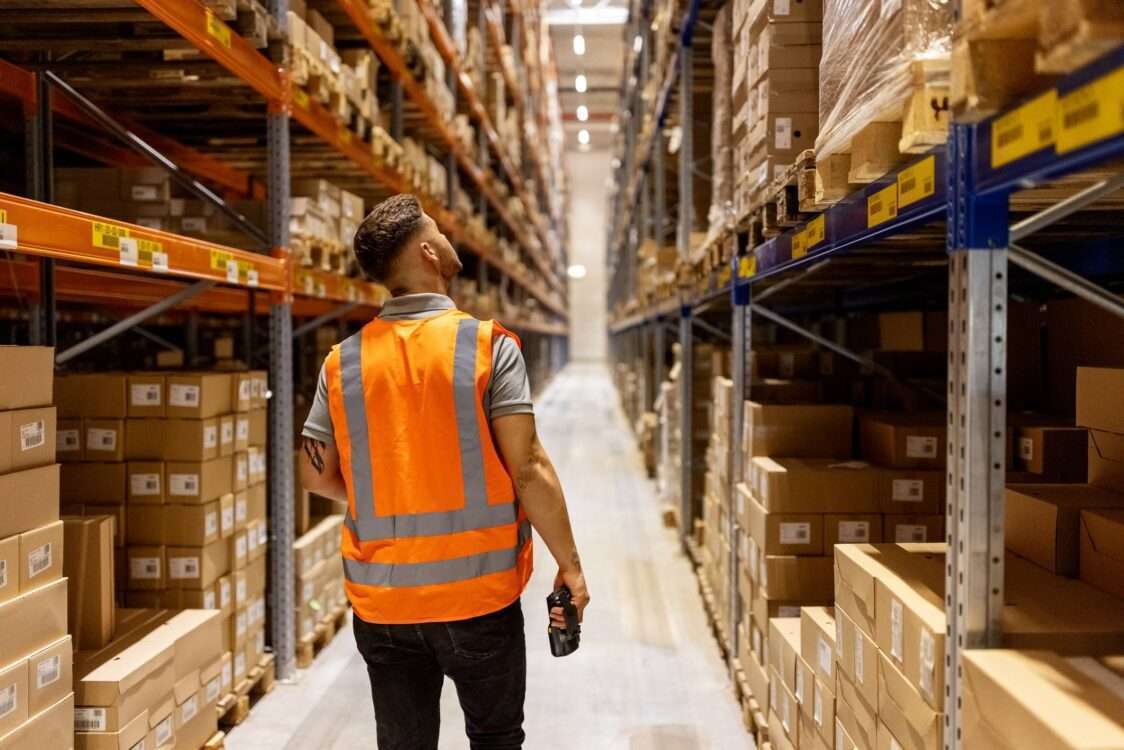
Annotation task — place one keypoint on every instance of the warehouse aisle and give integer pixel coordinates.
(648, 675)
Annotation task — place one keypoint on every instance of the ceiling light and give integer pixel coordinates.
(579, 44)
(583, 113)
(580, 84)
(576, 271)
(583, 136)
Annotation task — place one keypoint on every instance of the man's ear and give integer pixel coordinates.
(429, 251)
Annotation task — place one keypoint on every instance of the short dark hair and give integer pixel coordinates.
(385, 232)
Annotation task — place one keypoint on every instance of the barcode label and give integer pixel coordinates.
(817, 706)
(227, 433)
(67, 441)
(782, 138)
(859, 658)
(213, 688)
(823, 652)
(245, 390)
(211, 524)
(144, 484)
(1026, 449)
(906, 532)
(896, 615)
(799, 685)
(240, 664)
(90, 719)
(144, 568)
(243, 429)
(181, 568)
(227, 519)
(164, 731)
(240, 510)
(183, 395)
(241, 468)
(928, 661)
(920, 446)
(240, 590)
(209, 600)
(210, 436)
(240, 547)
(8, 700)
(227, 675)
(189, 708)
(33, 434)
(852, 532)
(224, 593)
(183, 485)
(907, 490)
(98, 439)
(144, 394)
(48, 671)
(38, 560)
(796, 533)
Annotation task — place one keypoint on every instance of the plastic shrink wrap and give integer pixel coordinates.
(722, 181)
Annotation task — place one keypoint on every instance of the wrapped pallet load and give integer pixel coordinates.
(884, 78)
(722, 188)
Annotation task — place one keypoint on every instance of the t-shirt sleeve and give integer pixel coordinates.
(509, 391)
(318, 425)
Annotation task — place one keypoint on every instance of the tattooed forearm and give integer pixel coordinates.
(314, 450)
(575, 560)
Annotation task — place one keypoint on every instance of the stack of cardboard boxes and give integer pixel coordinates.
(36, 702)
(716, 499)
(775, 90)
(178, 459)
(323, 219)
(319, 571)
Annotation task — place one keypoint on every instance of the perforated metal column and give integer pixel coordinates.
(743, 347)
(686, 387)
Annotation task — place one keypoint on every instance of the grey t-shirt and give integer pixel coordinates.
(509, 391)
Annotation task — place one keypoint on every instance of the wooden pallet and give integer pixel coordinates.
(234, 708)
(217, 741)
(310, 646)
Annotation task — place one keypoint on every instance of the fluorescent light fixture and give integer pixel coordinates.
(576, 271)
(579, 44)
(638, 43)
(583, 136)
(580, 84)
(583, 113)
(597, 16)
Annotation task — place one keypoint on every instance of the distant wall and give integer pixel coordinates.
(588, 174)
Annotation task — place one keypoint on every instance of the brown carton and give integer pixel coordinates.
(13, 696)
(823, 711)
(128, 737)
(146, 482)
(27, 438)
(903, 441)
(913, 529)
(817, 641)
(28, 376)
(242, 431)
(173, 525)
(851, 528)
(805, 684)
(857, 658)
(146, 394)
(795, 578)
(172, 439)
(162, 723)
(779, 739)
(50, 675)
(197, 567)
(98, 483)
(1056, 454)
(902, 331)
(241, 471)
(241, 391)
(1043, 521)
(9, 567)
(68, 440)
(227, 515)
(89, 564)
(908, 717)
(104, 439)
(798, 430)
(912, 492)
(1102, 550)
(51, 728)
(199, 396)
(226, 435)
(1106, 460)
(859, 719)
(784, 649)
(32, 620)
(258, 427)
(198, 481)
(1099, 403)
(146, 569)
(28, 499)
(94, 395)
(256, 503)
(785, 533)
(814, 485)
(139, 677)
(41, 556)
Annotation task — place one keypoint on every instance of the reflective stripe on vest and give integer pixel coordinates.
(477, 513)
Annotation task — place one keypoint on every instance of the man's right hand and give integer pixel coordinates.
(575, 581)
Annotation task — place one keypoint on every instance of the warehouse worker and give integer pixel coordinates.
(423, 424)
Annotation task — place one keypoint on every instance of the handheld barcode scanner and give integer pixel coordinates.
(563, 641)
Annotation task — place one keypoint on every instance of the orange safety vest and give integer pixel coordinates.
(433, 531)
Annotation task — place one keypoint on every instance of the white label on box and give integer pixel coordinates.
(257, 462)
(183, 485)
(853, 532)
(840, 737)
(781, 7)
(48, 671)
(859, 657)
(823, 651)
(144, 192)
(839, 637)
(224, 592)
(127, 252)
(920, 446)
(209, 600)
(144, 568)
(240, 664)
(211, 524)
(799, 685)
(33, 434)
(263, 533)
(817, 705)
(242, 430)
(189, 708)
(9, 236)
(896, 629)
(889, 8)
(245, 390)
(241, 511)
(181, 394)
(240, 547)
(1026, 449)
(213, 688)
(227, 433)
(773, 696)
(241, 469)
(144, 484)
(782, 138)
(159, 260)
(909, 532)
(240, 590)
(144, 394)
(227, 675)
(90, 719)
(210, 436)
(3, 573)
(227, 519)
(241, 622)
(101, 440)
(67, 440)
(8, 700)
(38, 560)
(164, 731)
(180, 568)
(786, 713)
(796, 533)
(252, 277)
(756, 639)
(928, 661)
(907, 490)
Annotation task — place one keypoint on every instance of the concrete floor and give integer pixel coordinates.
(648, 675)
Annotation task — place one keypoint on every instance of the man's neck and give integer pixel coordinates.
(432, 287)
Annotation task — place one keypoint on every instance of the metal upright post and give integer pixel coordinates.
(686, 442)
(660, 346)
(742, 376)
(977, 404)
(40, 184)
(686, 151)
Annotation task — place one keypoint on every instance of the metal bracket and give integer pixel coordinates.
(712, 330)
(1066, 279)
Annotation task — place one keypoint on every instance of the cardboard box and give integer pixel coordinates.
(104, 439)
(857, 658)
(137, 680)
(51, 728)
(259, 427)
(913, 529)
(859, 719)
(27, 438)
(146, 482)
(851, 528)
(823, 711)
(241, 392)
(172, 439)
(901, 441)
(28, 376)
(173, 525)
(1043, 521)
(127, 738)
(88, 562)
(1098, 399)
(50, 675)
(906, 715)
(199, 396)
(241, 471)
(226, 435)
(1102, 550)
(146, 570)
(1057, 454)
(68, 440)
(817, 641)
(902, 331)
(1005, 692)
(41, 556)
(256, 457)
(9, 567)
(197, 567)
(162, 723)
(241, 431)
(227, 516)
(199, 481)
(13, 696)
(779, 739)
(795, 578)
(92, 395)
(257, 504)
(813, 485)
(28, 499)
(1106, 460)
(146, 394)
(798, 430)
(785, 533)
(97, 483)
(32, 620)
(913, 492)
(784, 650)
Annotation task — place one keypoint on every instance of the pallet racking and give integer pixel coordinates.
(961, 221)
(61, 255)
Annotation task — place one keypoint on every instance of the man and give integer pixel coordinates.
(423, 424)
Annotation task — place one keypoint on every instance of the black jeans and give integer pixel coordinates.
(485, 657)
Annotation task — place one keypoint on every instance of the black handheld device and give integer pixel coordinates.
(563, 641)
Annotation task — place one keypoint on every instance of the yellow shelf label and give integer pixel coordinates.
(1091, 113)
(108, 235)
(220, 260)
(882, 206)
(300, 98)
(799, 244)
(218, 30)
(1032, 127)
(345, 134)
(917, 182)
(815, 232)
(3, 216)
(747, 266)
(724, 276)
